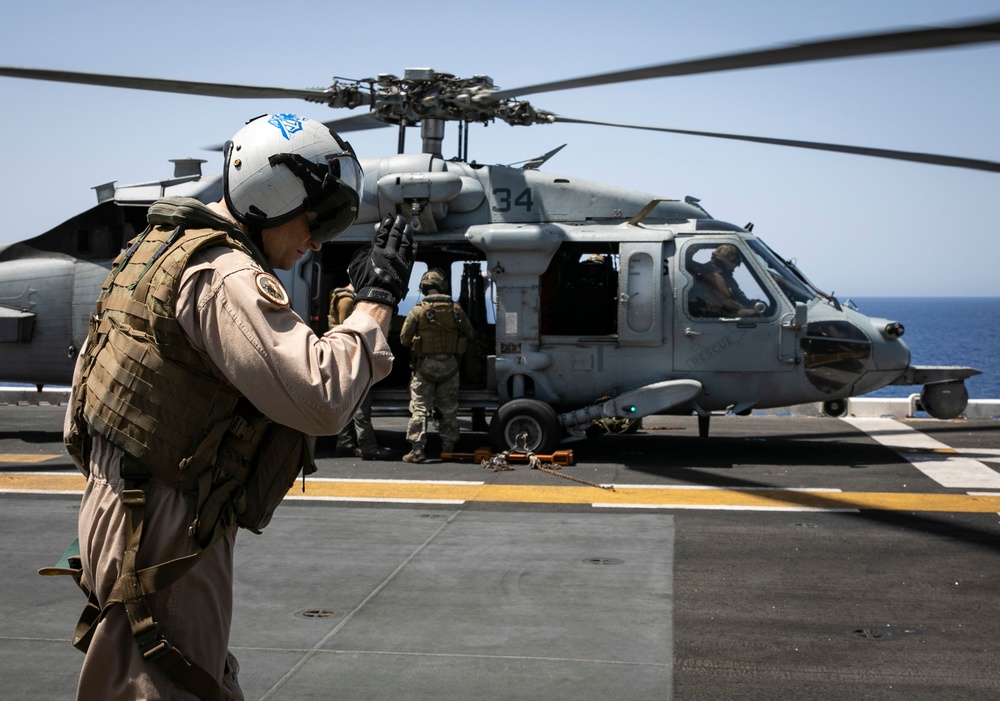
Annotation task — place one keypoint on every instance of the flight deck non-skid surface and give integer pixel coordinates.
(362, 603)
(780, 558)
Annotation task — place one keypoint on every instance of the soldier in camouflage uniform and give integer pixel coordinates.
(437, 331)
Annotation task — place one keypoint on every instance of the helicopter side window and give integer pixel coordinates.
(723, 286)
(579, 292)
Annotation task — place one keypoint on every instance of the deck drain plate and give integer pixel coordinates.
(880, 633)
(316, 613)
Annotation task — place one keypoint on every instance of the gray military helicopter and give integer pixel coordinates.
(606, 302)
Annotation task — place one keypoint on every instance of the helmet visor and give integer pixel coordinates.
(334, 207)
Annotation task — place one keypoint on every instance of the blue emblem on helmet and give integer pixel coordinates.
(288, 124)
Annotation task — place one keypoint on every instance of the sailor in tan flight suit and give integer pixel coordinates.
(196, 293)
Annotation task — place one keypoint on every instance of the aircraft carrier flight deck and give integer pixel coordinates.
(782, 557)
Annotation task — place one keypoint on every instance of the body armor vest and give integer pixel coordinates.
(147, 391)
(439, 328)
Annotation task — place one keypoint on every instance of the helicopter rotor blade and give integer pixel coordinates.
(358, 122)
(916, 157)
(184, 87)
(843, 47)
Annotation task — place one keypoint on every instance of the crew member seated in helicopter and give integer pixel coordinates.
(715, 292)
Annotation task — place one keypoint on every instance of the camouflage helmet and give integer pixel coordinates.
(433, 278)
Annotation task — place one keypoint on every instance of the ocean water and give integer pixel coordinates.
(945, 331)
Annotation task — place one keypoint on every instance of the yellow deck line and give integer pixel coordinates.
(25, 457)
(666, 497)
(41, 482)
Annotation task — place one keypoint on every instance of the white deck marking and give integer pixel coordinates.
(940, 462)
(984, 454)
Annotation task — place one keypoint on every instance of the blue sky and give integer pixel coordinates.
(857, 226)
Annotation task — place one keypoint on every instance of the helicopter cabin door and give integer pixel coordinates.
(727, 318)
(642, 274)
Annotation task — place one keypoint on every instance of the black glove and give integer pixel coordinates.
(380, 272)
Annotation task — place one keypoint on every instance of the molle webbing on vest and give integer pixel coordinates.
(147, 390)
(158, 427)
(439, 328)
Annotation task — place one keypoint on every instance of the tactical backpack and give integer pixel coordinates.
(439, 330)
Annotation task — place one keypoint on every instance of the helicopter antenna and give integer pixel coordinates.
(538, 161)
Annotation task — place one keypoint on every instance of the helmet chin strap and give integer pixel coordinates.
(254, 226)
(256, 234)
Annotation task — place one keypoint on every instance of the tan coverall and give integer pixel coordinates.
(291, 375)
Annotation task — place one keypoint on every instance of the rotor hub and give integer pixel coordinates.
(424, 93)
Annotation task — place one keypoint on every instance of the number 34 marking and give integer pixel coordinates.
(505, 201)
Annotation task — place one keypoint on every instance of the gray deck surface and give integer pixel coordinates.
(517, 600)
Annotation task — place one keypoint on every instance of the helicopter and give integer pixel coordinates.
(591, 301)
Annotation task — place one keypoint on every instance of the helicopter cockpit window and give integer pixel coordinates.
(579, 291)
(723, 286)
(790, 284)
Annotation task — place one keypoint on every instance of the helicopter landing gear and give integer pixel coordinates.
(945, 400)
(703, 420)
(527, 424)
(836, 408)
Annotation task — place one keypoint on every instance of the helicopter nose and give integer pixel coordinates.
(854, 353)
(836, 354)
(889, 353)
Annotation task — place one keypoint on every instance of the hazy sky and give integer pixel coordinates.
(857, 226)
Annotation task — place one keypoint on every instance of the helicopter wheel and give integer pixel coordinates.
(536, 420)
(835, 408)
(945, 400)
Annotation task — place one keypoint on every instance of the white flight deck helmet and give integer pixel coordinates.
(281, 165)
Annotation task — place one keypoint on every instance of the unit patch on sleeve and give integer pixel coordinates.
(271, 289)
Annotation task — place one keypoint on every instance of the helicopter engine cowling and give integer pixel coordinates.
(420, 187)
(422, 197)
